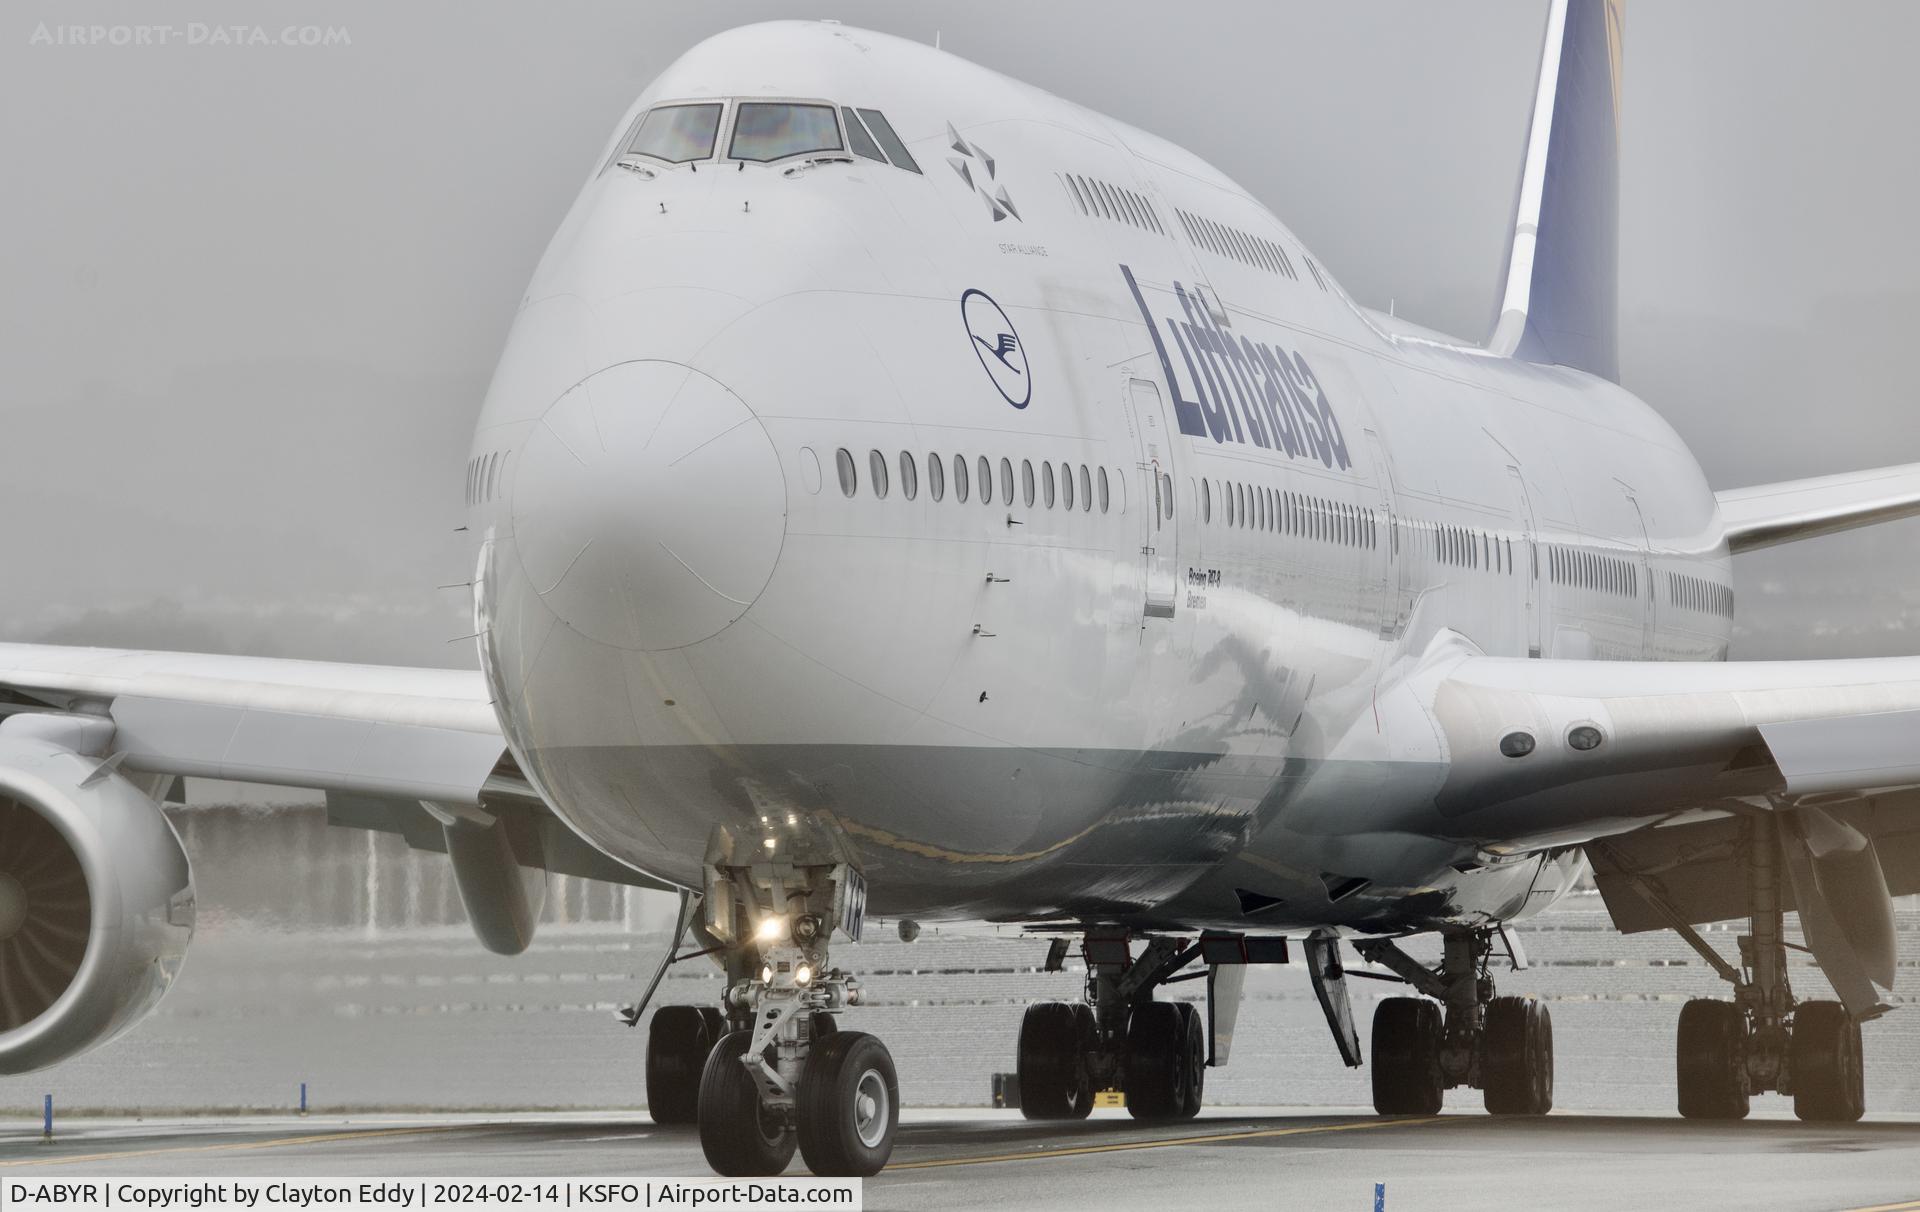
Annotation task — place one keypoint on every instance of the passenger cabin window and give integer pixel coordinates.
(677, 133)
(769, 130)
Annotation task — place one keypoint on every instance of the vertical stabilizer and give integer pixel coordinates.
(1560, 298)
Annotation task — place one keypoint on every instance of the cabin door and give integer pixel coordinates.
(1643, 573)
(1529, 563)
(1152, 487)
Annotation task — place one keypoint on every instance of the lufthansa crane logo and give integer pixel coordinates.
(997, 346)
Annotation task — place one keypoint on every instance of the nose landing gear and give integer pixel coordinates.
(785, 1075)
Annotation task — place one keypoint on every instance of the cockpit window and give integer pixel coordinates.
(677, 133)
(883, 131)
(765, 130)
(863, 144)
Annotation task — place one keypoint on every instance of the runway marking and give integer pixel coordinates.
(1909, 1206)
(312, 1138)
(1167, 1142)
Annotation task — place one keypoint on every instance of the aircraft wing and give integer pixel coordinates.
(1767, 514)
(1660, 769)
(365, 729)
(1667, 738)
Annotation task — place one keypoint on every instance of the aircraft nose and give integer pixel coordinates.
(649, 506)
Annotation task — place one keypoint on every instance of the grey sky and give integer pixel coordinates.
(252, 294)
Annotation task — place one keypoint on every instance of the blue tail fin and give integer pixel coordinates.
(1560, 299)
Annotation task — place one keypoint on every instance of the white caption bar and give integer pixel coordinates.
(425, 1194)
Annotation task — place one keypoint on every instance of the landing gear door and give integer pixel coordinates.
(1159, 543)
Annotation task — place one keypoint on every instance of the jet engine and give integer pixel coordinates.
(96, 899)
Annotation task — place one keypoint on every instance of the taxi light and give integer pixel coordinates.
(771, 928)
(803, 975)
(766, 974)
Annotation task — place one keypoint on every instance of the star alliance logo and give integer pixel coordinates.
(976, 168)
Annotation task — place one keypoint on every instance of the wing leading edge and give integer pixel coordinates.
(365, 729)
(1669, 773)
(1663, 739)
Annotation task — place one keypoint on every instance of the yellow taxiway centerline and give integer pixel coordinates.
(312, 1138)
(1166, 1142)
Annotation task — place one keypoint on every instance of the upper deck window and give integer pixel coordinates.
(677, 133)
(767, 130)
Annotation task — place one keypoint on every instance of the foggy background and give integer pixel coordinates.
(252, 294)
(343, 960)
(250, 297)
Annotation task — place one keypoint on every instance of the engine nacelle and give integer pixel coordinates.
(96, 899)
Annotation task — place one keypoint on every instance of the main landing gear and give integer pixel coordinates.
(1465, 1036)
(1763, 1039)
(774, 1072)
(1156, 1052)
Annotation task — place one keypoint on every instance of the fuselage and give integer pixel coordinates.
(1034, 506)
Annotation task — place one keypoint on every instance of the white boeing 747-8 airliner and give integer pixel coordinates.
(908, 493)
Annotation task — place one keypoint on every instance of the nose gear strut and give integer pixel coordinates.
(779, 1074)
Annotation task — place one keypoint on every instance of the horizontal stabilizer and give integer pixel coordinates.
(1768, 514)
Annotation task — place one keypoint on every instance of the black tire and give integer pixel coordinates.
(1829, 1077)
(1407, 1035)
(1087, 1032)
(849, 1106)
(1710, 1057)
(678, 1041)
(1052, 1062)
(1155, 1084)
(741, 1138)
(1194, 1058)
(1517, 1061)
